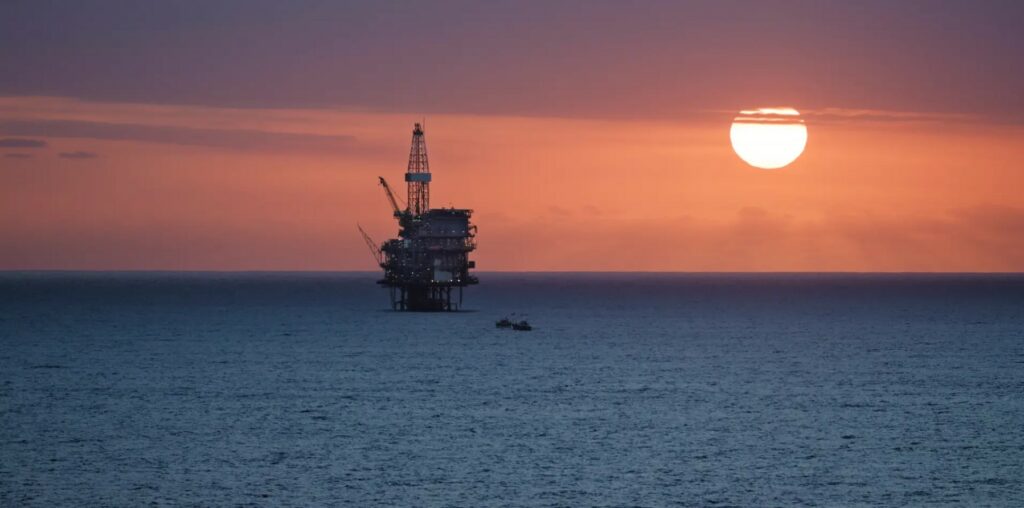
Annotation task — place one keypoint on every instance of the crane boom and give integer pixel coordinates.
(374, 249)
(391, 196)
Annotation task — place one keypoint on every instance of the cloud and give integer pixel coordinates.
(239, 139)
(78, 155)
(21, 143)
(970, 239)
(18, 156)
(849, 115)
(775, 115)
(878, 115)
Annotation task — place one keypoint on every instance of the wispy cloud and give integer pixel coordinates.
(22, 143)
(78, 155)
(240, 139)
(849, 115)
(879, 115)
(778, 115)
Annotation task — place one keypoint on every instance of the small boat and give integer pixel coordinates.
(503, 323)
(522, 326)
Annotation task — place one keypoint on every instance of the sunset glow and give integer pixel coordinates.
(267, 159)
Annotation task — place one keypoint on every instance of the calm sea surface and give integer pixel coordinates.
(653, 390)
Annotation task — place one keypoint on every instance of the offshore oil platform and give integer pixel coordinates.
(430, 257)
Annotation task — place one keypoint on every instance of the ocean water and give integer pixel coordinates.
(633, 390)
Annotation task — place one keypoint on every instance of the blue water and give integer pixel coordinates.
(651, 390)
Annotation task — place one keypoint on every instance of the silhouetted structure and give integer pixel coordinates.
(430, 257)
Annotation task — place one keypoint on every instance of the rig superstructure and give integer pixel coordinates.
(430, 257)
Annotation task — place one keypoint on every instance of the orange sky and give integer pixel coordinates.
(199, 188)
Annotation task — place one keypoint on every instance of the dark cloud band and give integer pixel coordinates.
(22, 143)
(241, 139)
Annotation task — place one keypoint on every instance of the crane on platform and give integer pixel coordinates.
(391, 196)
(374, 249)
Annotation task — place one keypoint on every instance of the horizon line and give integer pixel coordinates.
(4, 271)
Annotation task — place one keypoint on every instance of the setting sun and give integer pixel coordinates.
(768, 138)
